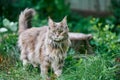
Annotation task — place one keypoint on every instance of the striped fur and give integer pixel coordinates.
(45, 46)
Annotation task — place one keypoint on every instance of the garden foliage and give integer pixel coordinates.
(105, 43)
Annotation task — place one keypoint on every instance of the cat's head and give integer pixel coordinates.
(58, 31)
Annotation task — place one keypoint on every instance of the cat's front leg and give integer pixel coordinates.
(57, 67)
(44, 70)
(58, 72)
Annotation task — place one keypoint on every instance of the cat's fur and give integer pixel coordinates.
(45, 46)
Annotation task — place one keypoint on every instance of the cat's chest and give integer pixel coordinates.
(56, 51)
(56, 55)
(58, 47)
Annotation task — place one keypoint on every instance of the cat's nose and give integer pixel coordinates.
(57, 35)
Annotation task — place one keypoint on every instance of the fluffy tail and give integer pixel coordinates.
(25, 19)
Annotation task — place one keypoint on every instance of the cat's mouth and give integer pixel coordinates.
(58, 39)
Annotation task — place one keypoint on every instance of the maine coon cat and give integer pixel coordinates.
(45, 46)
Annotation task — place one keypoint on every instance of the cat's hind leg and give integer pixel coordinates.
(25, 62)
(35, 65)
(23, 57)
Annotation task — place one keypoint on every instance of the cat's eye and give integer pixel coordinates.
(66, 27)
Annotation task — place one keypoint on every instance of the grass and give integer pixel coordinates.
(17, 73)
(89, 68)
(86, 68)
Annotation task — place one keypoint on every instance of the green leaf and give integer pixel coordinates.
(6, 22)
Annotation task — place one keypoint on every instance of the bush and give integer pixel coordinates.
(11, 8)
(9, 52)
(8, 37)
(105, 41)
(116, 14)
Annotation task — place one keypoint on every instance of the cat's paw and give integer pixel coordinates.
(35, 65)
(58, 73)
(48, 79)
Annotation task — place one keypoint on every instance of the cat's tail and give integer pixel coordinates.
(25, 19)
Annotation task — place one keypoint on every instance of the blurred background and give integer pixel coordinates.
(105, 10)
(101, 18)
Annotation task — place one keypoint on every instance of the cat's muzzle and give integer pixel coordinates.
(60, 39)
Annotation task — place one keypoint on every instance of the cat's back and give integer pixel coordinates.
(29, 36)
(34, 31)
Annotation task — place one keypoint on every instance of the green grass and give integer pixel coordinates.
(18, 73)
(89, 68)
(86, 68)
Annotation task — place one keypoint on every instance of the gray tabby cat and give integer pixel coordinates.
(45, 46)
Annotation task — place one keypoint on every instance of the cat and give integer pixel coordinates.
(45, 46)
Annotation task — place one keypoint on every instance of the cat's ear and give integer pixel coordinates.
(50, 22)
(64, 21)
